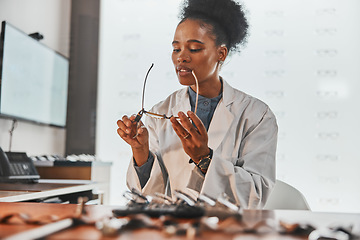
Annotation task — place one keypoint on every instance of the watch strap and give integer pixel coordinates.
(204, 162)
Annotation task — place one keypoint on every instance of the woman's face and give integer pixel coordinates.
(194, 49)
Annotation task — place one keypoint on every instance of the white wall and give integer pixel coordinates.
(302, 59)
(130, 40)
(52, 19)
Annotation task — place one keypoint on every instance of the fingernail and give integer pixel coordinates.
(181, 114)
(128, 131)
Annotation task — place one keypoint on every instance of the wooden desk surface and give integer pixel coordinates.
(16, 192)
(89, 232)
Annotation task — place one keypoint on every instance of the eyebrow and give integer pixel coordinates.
(189, 41)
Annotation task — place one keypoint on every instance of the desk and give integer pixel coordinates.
(45, 188)
(98, 211)
(95, 171)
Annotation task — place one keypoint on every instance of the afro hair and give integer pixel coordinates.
(226, 19)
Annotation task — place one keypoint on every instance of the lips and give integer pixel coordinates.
(183, 71)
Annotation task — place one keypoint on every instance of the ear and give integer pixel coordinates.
(223, 52)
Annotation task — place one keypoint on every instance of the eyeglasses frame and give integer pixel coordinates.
(156, 115)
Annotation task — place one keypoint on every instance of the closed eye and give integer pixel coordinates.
(195, 50)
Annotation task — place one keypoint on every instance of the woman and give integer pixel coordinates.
(229, 145)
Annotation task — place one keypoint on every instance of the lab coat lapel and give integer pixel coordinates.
(222, 118)
(183, 102)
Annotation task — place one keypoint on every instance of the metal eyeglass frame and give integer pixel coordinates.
(156, 115)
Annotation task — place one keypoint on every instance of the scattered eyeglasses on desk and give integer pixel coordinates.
(336, 233)
(163, 213)
(184, 206)
(50, 223)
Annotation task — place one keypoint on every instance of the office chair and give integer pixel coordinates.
(284, 196)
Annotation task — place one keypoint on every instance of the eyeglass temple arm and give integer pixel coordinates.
(141, 112)
(197, 91)
(143, 92)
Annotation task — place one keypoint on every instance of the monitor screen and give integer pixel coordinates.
(33, 79)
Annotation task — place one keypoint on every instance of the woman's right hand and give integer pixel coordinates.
(127, 130)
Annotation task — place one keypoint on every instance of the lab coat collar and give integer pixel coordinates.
(183, 102)
(222, 118)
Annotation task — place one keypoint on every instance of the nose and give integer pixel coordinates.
(182, 58)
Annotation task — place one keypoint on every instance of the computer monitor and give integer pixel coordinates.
(33, 79)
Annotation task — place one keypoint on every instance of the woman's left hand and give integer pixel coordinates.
(194, 140)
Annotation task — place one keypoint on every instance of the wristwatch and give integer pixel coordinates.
(204, 163)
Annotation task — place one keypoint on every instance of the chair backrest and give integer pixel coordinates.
(284, 196)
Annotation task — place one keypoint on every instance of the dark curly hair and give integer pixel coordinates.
(225, 19)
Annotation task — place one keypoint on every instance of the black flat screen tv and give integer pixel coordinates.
(33, 79)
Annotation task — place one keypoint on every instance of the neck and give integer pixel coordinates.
(209, 89)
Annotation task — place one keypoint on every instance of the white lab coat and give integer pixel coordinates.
(243, 136)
